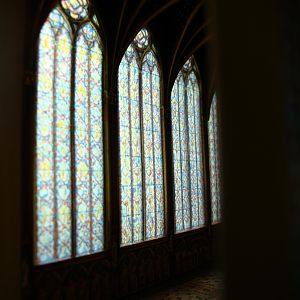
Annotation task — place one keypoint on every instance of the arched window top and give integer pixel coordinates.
(76, 9)
(141, 158)
(187, 149)
(56, 23)
(74, 14)
(143, 50)
(179, 78)
(189, 72)
(130, 54)
(69, 168)
(89, 34)
(150, 61)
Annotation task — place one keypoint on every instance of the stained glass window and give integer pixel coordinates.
(214, 162)
(69, 162)
(187, 150)
(141, 186)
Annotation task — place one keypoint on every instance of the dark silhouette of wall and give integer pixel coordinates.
(256, 104)
(12, 23)
(290, 47)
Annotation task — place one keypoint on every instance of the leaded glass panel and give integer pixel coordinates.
(56, 172)
(187, 150)
(141, 185)
(53, 161)
(88, 142)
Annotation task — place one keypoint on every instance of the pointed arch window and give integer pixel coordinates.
(214, 162)
(141, 161)
(187, 149)
(69, 148)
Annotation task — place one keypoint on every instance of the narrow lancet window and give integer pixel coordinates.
(69, 146)
(88, 142)
(187, 150)
(141, 186)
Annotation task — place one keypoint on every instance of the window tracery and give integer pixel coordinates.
(69, 179)
(69, 147)
(141, 161)
(187, 150)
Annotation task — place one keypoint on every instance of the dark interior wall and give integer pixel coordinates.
(11, 82)
(252, 108)
(290, 36)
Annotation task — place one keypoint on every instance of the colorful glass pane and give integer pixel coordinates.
(53, 160)
(77, 9)
(130, 149)
(187, 151)
(152, 145)
(142, 197)
(188, 65)
(55, 202)
(157, 152)
(88, 142)
(195, 152)
(142, 39)
(214, 162)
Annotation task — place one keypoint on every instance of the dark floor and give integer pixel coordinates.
(204, 287)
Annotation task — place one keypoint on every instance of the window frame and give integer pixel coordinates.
(74, 28)
(185, 77)
(139, 55)
(112, 220)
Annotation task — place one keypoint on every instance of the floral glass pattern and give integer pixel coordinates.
(187, 150)
(88, 142)
(214, 162)
(141, 184)
(57, 170)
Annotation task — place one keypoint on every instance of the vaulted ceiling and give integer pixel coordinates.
(179, 29)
